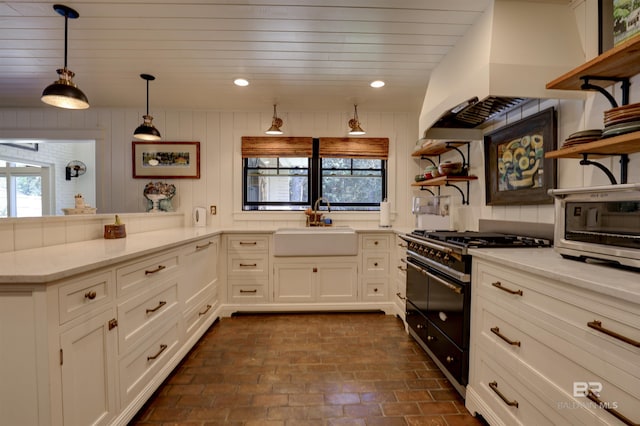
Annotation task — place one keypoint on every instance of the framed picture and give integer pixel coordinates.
(516, 172)
(618, 21)
(166, 160)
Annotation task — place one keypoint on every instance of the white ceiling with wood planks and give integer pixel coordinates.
(300, 54)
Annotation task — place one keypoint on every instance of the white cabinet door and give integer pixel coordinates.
(337, 283)
(88, 360)
(316, 282)
(294, 282)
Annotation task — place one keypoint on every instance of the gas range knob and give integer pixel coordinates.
(432, 252)
(438, 255)
(446, 258)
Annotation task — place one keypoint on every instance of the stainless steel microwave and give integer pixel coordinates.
(600, 222)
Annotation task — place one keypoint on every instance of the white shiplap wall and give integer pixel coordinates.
(221, 168)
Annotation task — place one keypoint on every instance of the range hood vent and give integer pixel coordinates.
(505, 59)
(473, 112)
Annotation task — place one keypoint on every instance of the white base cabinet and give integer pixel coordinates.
(540, 353)
(331, 280)
(92, 348)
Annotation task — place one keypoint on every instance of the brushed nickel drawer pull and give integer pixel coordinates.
(160, 305)
(250, 243)
(205, 311)
(399, 295)
(90, 295)
(494, 387)
(249, 291)
(597, 325)
(498, 285)
(248, 265)
(158, 269)
(609, 410)
(496, 331)
(162, 348)
(203, 246)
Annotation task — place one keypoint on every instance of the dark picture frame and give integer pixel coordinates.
(516, 171)
(166, 160)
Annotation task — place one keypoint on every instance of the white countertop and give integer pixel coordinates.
(546, 262)
(47, 264)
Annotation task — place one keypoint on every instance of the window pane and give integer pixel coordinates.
(352, 189)
(302, 163)
(336, 163)
(277, 188)
(28, 196)
(367, 164)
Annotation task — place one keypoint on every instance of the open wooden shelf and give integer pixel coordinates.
(443, 180)
(617, 145)
(620, 62)
(437, 149)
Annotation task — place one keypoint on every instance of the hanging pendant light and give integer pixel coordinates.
(147, 131)
(63, 93)
(276, 123)
(354, 124)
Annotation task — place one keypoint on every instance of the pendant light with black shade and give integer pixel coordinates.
(276, 123)
(354, 124)
(64, 93)
(147, 131)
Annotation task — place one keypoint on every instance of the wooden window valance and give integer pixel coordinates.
(354, 147)
(270, 146)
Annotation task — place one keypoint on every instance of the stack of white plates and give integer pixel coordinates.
(620, 120)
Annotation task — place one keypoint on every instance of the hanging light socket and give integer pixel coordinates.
(63, 93)
(276, 123)
(147, 131)
(354, 124)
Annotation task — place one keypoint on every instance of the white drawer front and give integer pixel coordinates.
(247, 243)
(375, 289)
(375, 242)
(138, 316)
(85, 294)
(376, 263)
(145, 273)
(247, 265)
(139, 367)
(248, 293)
(201, 312)
(567, 365)
(512, 401)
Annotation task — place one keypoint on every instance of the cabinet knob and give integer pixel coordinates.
(315, 269)
(375, 264)
(375, 242)
(90, 295)
(375, 290)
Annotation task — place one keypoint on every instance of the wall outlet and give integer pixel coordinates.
(213, 209)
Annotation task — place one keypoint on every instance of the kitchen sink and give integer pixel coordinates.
(316, 241)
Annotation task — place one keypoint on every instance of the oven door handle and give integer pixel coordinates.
(439, 280)
(450, 286)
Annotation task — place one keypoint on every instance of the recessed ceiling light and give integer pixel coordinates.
(377, 84)
(241, 82)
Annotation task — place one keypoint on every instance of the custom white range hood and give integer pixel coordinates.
(505, 58)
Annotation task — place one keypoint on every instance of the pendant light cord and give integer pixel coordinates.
(147, 97)
(66, 32)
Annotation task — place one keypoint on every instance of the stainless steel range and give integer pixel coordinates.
(438, 306)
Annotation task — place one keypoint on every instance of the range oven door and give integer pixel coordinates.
(438, 309)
